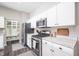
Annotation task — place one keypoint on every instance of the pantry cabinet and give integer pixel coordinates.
(12, 30)
(66, 13)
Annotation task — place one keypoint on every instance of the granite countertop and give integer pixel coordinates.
(61, 41)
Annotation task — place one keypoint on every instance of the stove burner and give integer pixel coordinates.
(40, 36)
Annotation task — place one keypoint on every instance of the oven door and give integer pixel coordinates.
(35, 46)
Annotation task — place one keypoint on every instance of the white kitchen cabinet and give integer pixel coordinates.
(60, 50)
(66, 13)
(54, 49)
(46, 51)
(12, 28)
(33, 22)
(51, 17)
(62, 14)
(2, 23)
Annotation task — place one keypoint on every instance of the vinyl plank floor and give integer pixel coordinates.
(28, 53)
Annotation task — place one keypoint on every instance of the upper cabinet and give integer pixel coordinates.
(2, 23)
(62, 14)
(33, 22)
(51, 17)
(66, 13)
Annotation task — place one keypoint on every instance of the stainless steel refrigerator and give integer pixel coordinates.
(26, 29)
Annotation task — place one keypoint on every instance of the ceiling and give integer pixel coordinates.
(26, 6)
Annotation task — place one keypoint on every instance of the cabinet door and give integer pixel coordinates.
(61, 50)
(33, 22)
(66, 13)
(46, 49)
(1, 22)
(51, 17)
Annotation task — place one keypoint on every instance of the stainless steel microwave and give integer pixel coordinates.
(42, 23)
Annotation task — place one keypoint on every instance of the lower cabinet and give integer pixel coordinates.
(53, 49)
(46, 51)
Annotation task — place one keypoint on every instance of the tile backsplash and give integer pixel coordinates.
(73, 31)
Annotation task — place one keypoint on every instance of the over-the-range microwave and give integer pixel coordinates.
(41, 22)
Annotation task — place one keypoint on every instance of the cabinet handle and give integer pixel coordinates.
(60, 48)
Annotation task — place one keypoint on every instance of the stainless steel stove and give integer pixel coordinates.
(37, 44)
